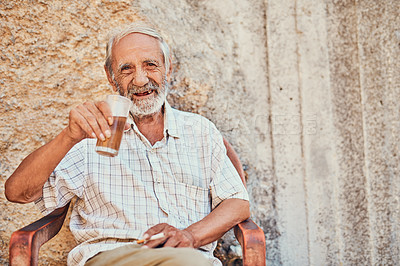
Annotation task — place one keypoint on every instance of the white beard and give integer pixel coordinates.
(150, 105)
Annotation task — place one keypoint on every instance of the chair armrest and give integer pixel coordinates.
(25, 243)
(252, 239)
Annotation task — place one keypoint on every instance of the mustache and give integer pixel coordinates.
(133, 89)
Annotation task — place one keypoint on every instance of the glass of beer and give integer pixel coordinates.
(120, 109)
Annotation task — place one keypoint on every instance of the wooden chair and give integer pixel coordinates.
(25, 243)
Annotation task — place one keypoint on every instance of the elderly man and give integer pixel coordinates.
(171, 176)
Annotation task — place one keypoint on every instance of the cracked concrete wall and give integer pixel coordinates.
(306, 91)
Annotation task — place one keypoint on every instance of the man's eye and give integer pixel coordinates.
(125, 69)
(152, 65)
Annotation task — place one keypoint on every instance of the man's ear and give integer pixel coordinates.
(110, 79)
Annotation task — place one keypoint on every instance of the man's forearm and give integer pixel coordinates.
(229, 213)
(26, 183)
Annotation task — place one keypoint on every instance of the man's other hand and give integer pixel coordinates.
(173, 237)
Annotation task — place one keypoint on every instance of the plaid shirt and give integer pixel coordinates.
(178, 181)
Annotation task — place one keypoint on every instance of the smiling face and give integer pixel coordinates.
(140, 73)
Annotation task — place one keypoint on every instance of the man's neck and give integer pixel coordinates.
(151, 126)
(152, 119)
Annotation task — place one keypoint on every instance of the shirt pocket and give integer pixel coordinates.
(189, 170)
(193, 203)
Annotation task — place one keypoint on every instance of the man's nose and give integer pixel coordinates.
(140, 78)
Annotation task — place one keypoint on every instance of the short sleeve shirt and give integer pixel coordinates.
(178, 180)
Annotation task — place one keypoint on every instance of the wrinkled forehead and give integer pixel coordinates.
(137, 43)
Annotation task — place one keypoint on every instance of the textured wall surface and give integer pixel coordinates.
(306, 91)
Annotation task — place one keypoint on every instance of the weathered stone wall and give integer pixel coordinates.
(306, 91)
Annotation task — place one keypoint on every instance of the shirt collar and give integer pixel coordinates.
(170, 122)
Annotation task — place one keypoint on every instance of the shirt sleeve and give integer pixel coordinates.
(226, 182)
(65, 182)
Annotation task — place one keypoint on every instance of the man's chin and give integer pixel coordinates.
(143, 115)
(143, 112)
(149, 106)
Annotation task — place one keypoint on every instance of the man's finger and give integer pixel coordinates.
(158, 228)
(147, 237)
(91, 120)
(106, 111)
(79, 125)
(174, 239)
(102, 116)
(155, 243)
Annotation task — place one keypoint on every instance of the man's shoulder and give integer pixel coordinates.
(189, 115)
(189, 118)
